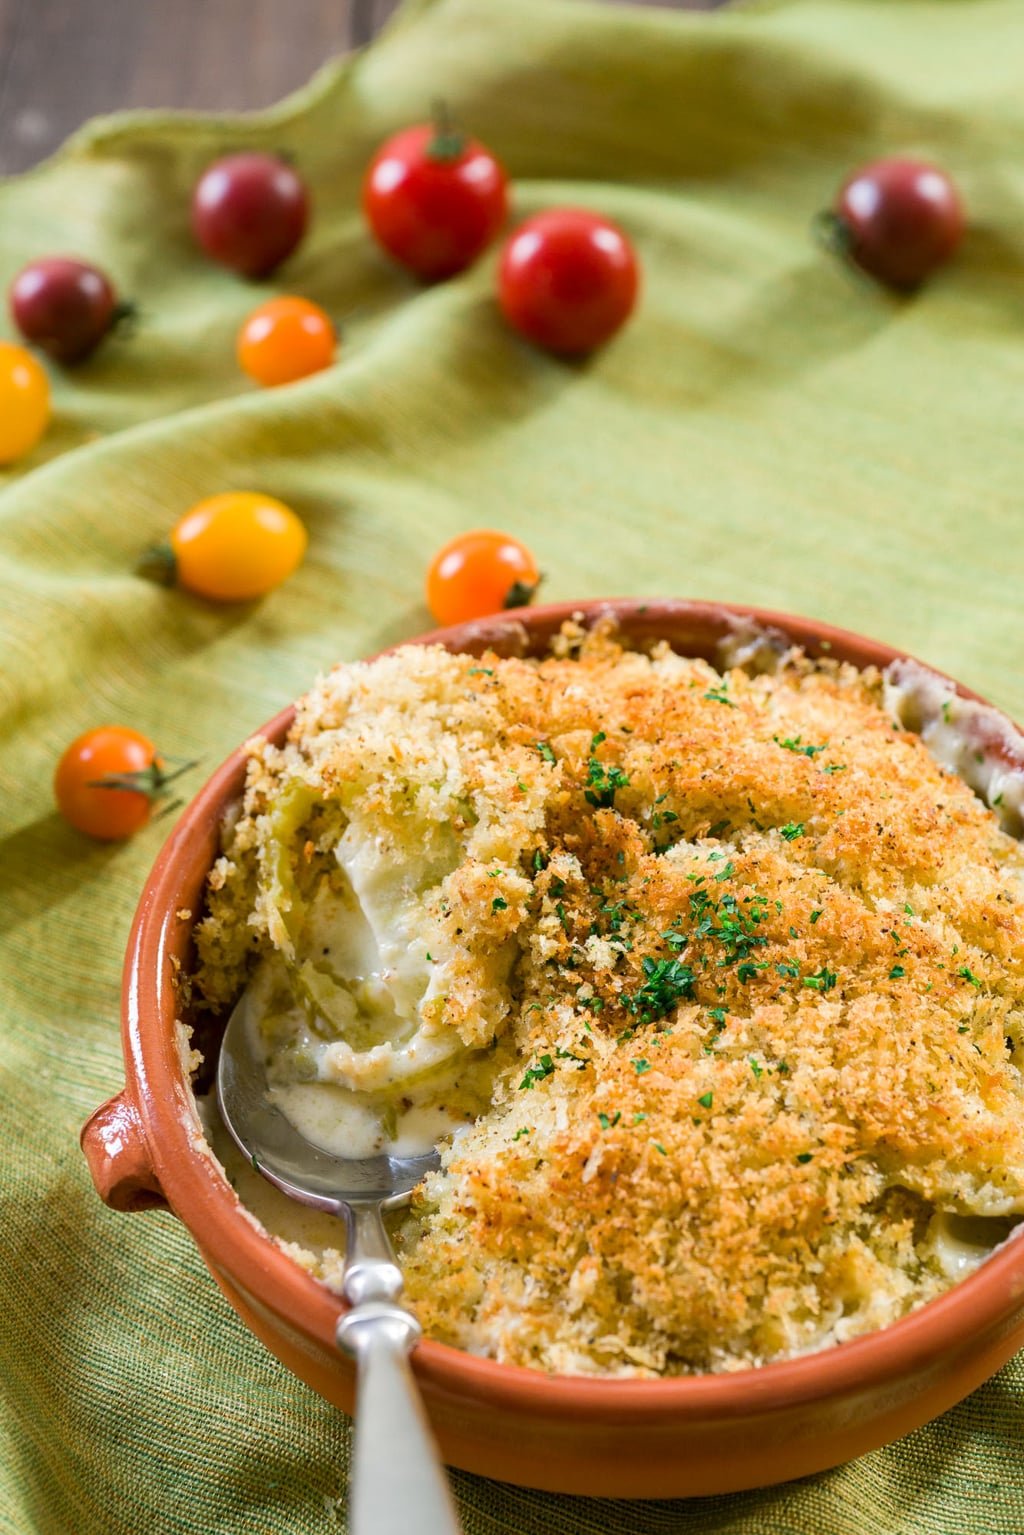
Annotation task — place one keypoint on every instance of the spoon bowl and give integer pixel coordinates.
(398, 1481)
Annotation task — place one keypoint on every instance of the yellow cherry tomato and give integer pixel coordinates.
(24, 402)
(237, 546)
(285, 339)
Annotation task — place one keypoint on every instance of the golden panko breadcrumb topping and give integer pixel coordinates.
(748, 963)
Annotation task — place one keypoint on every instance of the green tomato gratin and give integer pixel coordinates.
(710, 982)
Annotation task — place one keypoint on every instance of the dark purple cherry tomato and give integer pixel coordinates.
(249, 212)
(898, 220)
(65, 307)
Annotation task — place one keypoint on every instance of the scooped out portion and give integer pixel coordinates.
(711, 982)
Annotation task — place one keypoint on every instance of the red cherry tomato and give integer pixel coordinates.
(106, 782)
(568, 279)
(480, 573)
(285, 339)
(249, 211)
(898, 220)
(434, 199)
(66, 307)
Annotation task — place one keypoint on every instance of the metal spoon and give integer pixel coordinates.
(398, 1481)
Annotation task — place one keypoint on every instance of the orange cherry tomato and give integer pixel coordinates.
(480, 573)
(24, 401)
(106, 782)
(237, 546)
(285, 339)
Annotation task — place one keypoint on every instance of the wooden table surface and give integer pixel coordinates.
(62, 61)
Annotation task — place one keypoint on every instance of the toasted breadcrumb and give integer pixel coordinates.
(756, 962)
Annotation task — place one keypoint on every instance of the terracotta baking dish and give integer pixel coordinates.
(644, 1438)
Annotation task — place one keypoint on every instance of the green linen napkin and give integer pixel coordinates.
(765, 430)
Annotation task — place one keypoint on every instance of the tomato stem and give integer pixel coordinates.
(151, 781)
(125, 317)
(521, 593)
(832, 231)
(449, 141)
(158, 563)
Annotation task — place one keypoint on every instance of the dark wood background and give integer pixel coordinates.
(62, 61)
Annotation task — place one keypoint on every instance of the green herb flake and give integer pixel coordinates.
(815, 915)
(609, 1122)
(706, 1100)
(499, 903)
(755, 1067)
(792, 830)
(640, 1065)
(835, 767)
(967, 974)
(803, 1157)
(717, 1015)
(546, 752)
(896, 973)
(524, 1130)
(718, 696)
(964, 1028)
(726, 873)
(639, 1117)
(659, 1147)
(788, 969)
(796, 744)
(823, 981)
(480, 671)
(544, 1068)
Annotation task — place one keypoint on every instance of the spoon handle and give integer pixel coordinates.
(398, 1481)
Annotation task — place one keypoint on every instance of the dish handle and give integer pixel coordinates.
(117, 1152)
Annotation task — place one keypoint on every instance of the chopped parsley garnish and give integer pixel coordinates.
(796, 744)
(787, 968)
(659, 1147)
(640, 1065)
(604, 781)
(823, 981)
(815, 915)
(546, 752)
(523, 1130)
(835, 767)
(607, 1123)
(639, 1117)
(967, 974)
(718, 696)
(480, 671)
(804, 1156)
(545, 1066)
(540, 861)
(666, 982)
(792, 830)
(499, 903)
(717, 1015)
(756, 1067)
(727, 872)
(964, 1028)
(908, 909)
(706, 1100)
(749, 969)
(896, 973)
